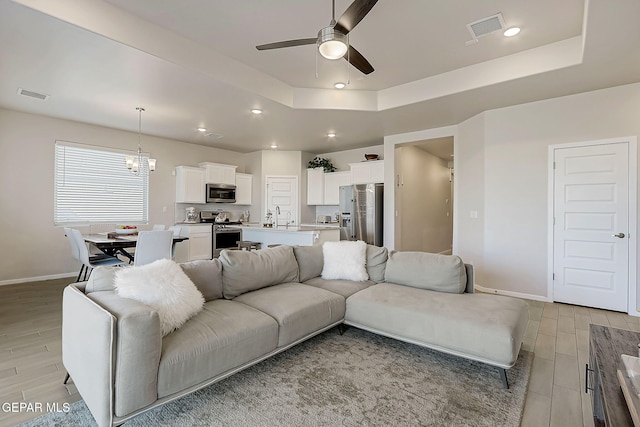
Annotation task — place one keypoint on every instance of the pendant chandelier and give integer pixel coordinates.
(134, 163)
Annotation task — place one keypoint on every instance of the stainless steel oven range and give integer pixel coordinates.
(224, 235)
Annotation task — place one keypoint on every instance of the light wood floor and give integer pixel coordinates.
(31, 365)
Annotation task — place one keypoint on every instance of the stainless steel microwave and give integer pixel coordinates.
(221, 193)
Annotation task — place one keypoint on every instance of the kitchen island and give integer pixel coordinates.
(303, 236)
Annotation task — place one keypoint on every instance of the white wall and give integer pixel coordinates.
(277, 163)
(423, 200)
(31, 246)
(507, 154)
(341, 159)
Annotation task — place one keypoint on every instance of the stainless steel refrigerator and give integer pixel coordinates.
(361, 209)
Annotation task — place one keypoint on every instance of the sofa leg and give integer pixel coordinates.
(66, 378)
(503, 377)
(342, 328)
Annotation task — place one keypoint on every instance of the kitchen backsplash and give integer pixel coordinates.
(235, 210)
(327, 210)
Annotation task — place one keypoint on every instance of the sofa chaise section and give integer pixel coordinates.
(427, 300)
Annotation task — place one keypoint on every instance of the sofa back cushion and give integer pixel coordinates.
(435, 272)
(376, 262)
(101, 279)
(244, 271)
(310, 261)
(206, 274)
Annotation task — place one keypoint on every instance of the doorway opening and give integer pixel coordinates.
(424, 195)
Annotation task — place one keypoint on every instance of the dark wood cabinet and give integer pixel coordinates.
(606, 345)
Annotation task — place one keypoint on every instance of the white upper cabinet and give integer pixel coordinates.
(244, 183)
(190, 185)
(367, 172)
(332, 183)
(217, 173)
(324, 188)
(315, 186)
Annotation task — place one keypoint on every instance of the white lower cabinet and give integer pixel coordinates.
(199, 244)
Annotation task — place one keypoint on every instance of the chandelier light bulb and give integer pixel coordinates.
(134, 163)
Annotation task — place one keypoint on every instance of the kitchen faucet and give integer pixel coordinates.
(277, 214)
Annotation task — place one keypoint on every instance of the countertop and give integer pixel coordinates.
(282, 228)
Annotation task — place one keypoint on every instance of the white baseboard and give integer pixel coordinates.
(511, 293)
(37, 278)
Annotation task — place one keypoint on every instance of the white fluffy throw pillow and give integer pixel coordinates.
(345, 260)
(163, 286)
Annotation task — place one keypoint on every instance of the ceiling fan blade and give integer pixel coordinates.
(288, 43)
(356, 59)
(354, 14)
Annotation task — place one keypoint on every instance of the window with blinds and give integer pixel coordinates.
(93, 186)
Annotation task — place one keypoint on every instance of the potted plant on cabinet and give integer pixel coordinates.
(321, 162)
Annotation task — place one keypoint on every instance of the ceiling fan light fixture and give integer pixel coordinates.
(332, 44)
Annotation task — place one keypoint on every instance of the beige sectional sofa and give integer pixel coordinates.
(260, 303)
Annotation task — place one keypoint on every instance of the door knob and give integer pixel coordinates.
(619, 235)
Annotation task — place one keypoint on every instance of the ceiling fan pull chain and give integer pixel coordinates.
(348, 61)
(316, 64)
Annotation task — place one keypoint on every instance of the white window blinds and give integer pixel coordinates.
(93, 185)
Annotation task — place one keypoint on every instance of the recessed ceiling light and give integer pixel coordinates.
(202, 129)
(510, 32)
(331, 134)
(273, 145)
(339, 85)
(256, 111)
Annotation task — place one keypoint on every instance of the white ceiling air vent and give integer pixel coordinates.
(214, 135)
(32, 94)
(485, 26)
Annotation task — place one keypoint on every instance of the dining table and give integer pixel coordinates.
(114, 244)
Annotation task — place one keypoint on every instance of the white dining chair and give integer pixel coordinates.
(152, 246)
(159, 227)
(79, 248)
(176, 229)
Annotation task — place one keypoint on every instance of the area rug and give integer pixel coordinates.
(355, 379)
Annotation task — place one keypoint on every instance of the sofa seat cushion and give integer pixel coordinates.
(224, 335)
(299, 309)
(488, 328)
(346, 288)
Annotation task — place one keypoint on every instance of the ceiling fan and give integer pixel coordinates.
(332, 40)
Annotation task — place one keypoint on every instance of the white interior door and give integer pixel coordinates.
(282, 192)
(591, 231)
